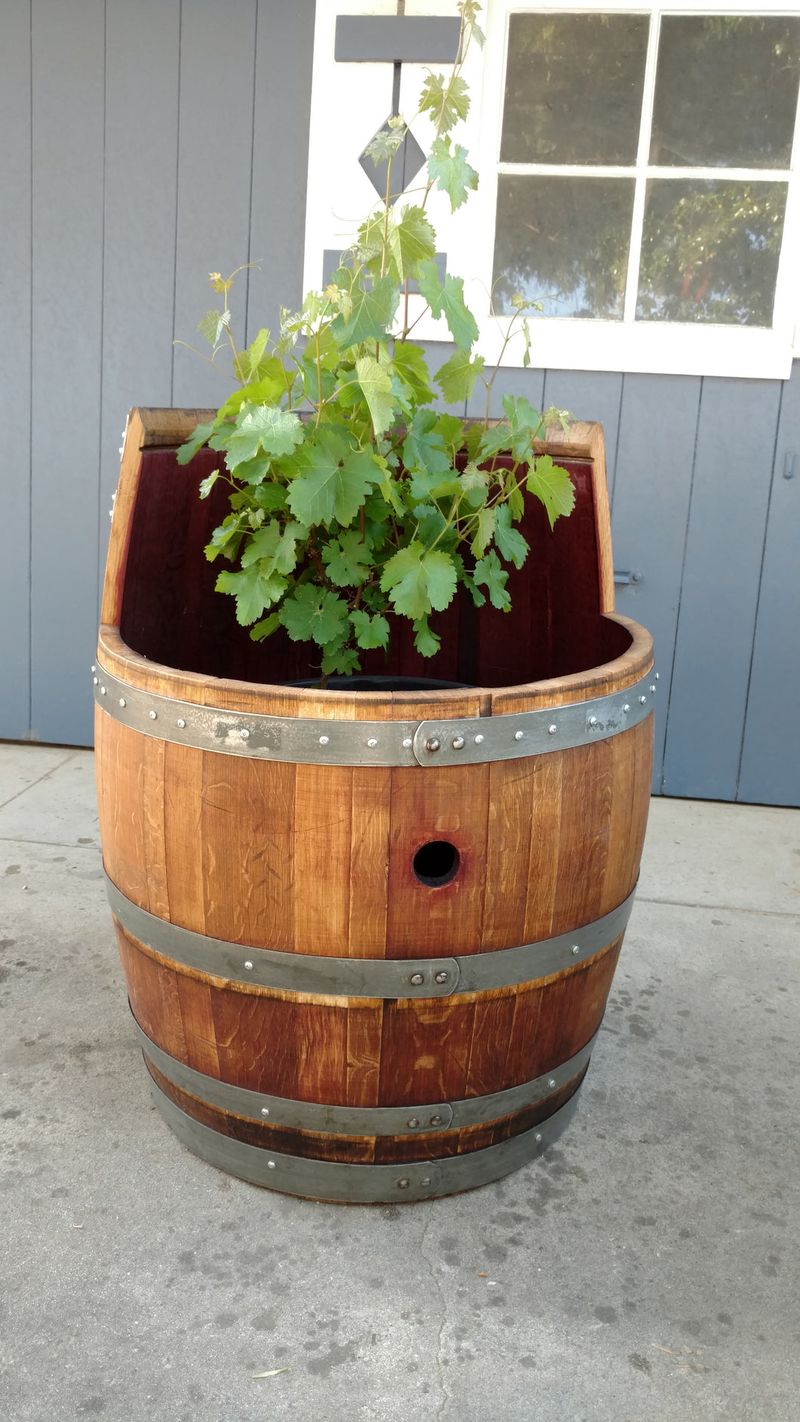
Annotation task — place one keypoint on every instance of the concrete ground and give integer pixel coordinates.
(645, 1268)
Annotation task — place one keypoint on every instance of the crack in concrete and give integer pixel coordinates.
(722, 908)
(45, 776)
(49, 843)
(447, 1396)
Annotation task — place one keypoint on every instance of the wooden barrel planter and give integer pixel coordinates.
(367, 936)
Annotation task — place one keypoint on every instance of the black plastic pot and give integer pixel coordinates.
(359, 682)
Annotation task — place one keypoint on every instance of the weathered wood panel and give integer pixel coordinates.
(141, 137)
(722, 568)
(282, 104)
(770, 764)
(67, 252)
(215, 170)
(15, 368)
(658, 424)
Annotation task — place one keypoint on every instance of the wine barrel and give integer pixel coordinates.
(367, 936)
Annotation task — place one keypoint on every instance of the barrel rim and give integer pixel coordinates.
(206, 690)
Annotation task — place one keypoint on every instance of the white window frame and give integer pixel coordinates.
(574, 343)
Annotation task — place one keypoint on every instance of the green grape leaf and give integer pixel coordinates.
(514, 495)
(207, 484)
(253, 591)
(369, 242)
(226, 538)
(264, 428)
(348, 560)
(339, 660)
(509, 540)
(266, 390)
(469, 11)
(423, 447)
(431, 524)
(552, 485)
(411, 240)
(314, 614)
(446, 100)
(418, 580)
(269, 497)
(426, 641)
(474, 485)
(212, 325)
(408, 362)
(266, 627)
(449, 170)
(274, 547)
(195, 441)
(474, 591)
(525, 424)
(490, 573)
(425, 485)
(371, 315)
(334, 482)
(484, 531)
(255, 352)
(392, 495)
(387, 140)
(456, 378)
(447, 299)
(370, 631)
(376, 385)
(495, 440)
(253, 471)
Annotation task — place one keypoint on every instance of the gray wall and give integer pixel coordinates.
(144, 143)
(147, 143)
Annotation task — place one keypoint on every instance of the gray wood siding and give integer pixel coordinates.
(146, 144)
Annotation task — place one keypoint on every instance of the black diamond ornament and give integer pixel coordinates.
(406, 164)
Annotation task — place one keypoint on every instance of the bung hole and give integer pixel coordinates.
(436, 862)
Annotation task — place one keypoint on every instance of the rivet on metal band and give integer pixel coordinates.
(361, 1120)
(362, 1184)
(367, 977)
(468, 740)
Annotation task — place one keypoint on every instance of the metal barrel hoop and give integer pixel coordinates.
(337, 1181)
(465, 740)
(361, 1120)
(373, 978)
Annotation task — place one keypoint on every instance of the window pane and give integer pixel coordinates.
(563, 241)
(726, 91)
(573, 88)
(710, 251)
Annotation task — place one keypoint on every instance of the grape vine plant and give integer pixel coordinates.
(353, 499)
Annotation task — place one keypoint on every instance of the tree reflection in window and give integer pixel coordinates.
(726, 95)
(563, 241)
(573, 89)
(726, 91)
(710, 251)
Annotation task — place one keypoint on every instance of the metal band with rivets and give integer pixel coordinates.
(368, 977)
(465, 740)
(361, 1120)
(341, 1182)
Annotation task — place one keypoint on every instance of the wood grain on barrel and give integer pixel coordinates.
(319, 860)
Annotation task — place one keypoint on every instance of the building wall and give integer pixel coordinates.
(152, 142)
